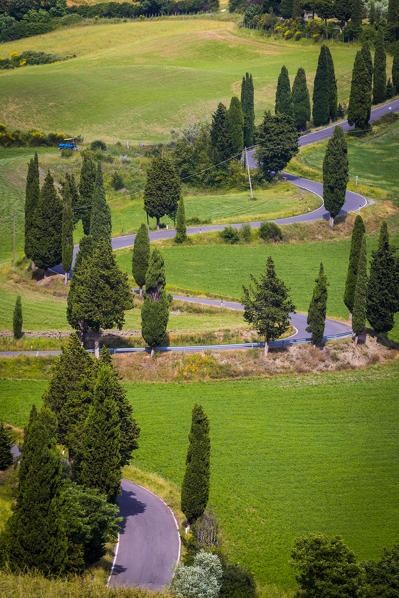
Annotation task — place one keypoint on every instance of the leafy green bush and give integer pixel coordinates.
(29, 57)
(117, 181)
(238, 582)
(203, 579)
(230, 235)
(66, 153)
(270, 231)
(245, 233)
(98, 145)
(196, 220)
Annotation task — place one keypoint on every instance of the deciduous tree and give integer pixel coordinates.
(335, 173)
(278, 143)
(162, 189)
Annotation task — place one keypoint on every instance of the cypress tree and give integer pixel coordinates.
(100, 219)
(35, 537)
(67, 230)
(181, 235)
(301, 100)
(141, 256)
(360, 94)
(155, 308)
(236, 125)
(267, 305)
(248, 108)
(32, 196)
(70, 393)
(220, 135)
(86, 248)
(332, 87)
(129, 430)
(100, 461)
(351, 277)
(395, 70)
(283, 104)
(392, 30)
(357, 17)
(382, 291)
(321, 90)
(100, 295)
(6, 443)
(162, 189)
(195, 487)
(335, 173)
(17, 318)
(368, 61)
(372, 13)
(46, 240)
(317, 309)
(380, 70)
(75, 198)
(360, 299)
(86, 191)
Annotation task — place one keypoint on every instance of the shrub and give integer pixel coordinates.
(98, 145)
(203, 579)
(245, 233)
(270, 231)
(238, 582)
(230, 235)
(117, 181)
(66, 153)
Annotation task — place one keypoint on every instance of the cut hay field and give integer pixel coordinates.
(138, 80)
(290, 455)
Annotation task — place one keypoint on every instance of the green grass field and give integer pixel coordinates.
(294, 455)
(184, 66)
(373, 159)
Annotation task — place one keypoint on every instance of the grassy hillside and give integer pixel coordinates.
(294, 455)
(138, 80)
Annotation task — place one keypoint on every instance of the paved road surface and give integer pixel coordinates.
(149, 542)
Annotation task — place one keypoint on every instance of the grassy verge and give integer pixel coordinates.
(296, 454)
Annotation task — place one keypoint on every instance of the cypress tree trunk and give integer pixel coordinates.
(360, 299)
(266, 348)
(96, 339)
(380, 66)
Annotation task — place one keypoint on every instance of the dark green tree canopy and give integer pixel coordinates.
(360, 298)
(356, 243)
(45, 242)
(235, 123)
(332, 86)
(247, 103)
(6, 443)
(267, 305)
(360, 94)
(67, 227)
(141, 256)
(162, 189)
(321, 89)
(154, 320)
(32, 196)
(318, 308)
(86, 248)
(100, 218)
(380, 70)
(195, 487)
(220, 135)
(278, 143)
(86, 191)
(155, 277)
(335, 173)
(283, 103)
(382, 577)
(301, 100)
(181, 234)
(395, 68)
(17, 320)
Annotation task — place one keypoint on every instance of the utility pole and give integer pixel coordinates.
(249, 172)
(13, 242)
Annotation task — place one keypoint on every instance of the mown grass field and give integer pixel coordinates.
(294, 455)
(138, 80)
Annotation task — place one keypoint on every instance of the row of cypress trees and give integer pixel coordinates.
(374, 297)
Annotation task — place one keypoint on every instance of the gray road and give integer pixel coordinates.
(149, 543)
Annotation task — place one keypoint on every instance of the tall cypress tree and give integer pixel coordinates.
(46, 240)
(357, 17)
(283, 104)
(360, 299)
(35, 537)
(6, 442)
(162, 189)
(332, 86)
(100, 218)
(220, 136)
(301, 100)
(86, 248)
(86, 191)
(360, 94)
(101, 460)
(195, 487)
(318, 308)
(75, 198)
(321, 93)
(141, 256)
(335, 173)
(372, 13)
(380, 70)
(382, 291)
(67, 230)
(17, 318)
(395, 70)
(32, 196)
(351, 277)
(181, 234)
(368, 61)
(247, 103)
(235, 120)
(155, 308)
(392, 30)
(100, 295)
